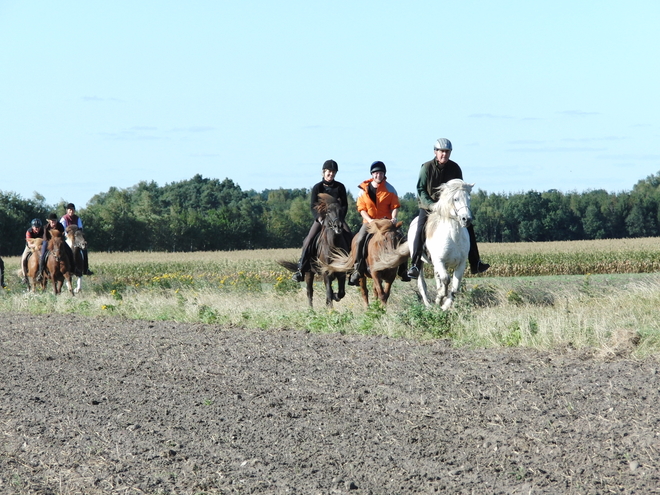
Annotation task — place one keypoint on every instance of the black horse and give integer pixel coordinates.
(331, 239)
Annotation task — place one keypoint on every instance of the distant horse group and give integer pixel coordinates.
(446, 247)
(58, 267)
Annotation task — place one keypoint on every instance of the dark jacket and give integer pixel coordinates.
(431, 175)
(334, 189)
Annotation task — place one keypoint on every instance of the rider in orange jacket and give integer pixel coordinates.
(377, 199)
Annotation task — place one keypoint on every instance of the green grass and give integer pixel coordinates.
(611, 314)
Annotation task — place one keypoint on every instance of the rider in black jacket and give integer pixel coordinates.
(335, 189)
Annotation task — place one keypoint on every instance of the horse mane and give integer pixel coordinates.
(36, 245)
(380, 228)
(441, 210)
(55, 233)
(71, 230)
(325, 201)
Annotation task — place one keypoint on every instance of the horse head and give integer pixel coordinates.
(55, 244)
(79, 240)
(36, 245)
(328, 207)
(454, 201)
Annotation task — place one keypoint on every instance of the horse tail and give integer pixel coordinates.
(339, 262)
(391, 257)
(289, 265)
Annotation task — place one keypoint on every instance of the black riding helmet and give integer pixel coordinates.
(331, 165)
(36, 222)
(378, 167)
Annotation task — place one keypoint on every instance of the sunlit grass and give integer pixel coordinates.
(614, 314)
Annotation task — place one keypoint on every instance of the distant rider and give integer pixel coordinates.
(53, 224)
(36, 231)
(72, 219)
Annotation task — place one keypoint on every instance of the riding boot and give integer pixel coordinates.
(402, 272)
(418, 244)
(476, 265)
(85, 269)
(303, 263)
(40, 271)
(354, 279)
(25, 270)
(358, 267)
(299, 276)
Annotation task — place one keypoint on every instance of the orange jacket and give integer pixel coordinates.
(386, 200)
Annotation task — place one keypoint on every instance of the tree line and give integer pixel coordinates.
(203, 214)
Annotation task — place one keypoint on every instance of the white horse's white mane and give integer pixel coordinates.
(444, 206)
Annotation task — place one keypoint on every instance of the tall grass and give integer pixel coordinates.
(611, 314)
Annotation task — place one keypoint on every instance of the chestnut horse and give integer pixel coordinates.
(330, 239)
(385, 253)
(33, 265)
(57, 263)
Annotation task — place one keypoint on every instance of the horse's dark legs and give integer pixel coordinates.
(2, 274)
(309, 279)
(329, 294)
(341, 284)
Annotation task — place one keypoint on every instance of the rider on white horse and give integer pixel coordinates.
(72, 219)
(433, 173)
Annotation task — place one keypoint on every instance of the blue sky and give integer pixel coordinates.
(533, 95)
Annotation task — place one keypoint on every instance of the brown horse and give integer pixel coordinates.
(385, 252)
(33, 265)
(57, 266)
(330, 239)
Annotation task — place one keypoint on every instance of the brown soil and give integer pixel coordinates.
(110, 406)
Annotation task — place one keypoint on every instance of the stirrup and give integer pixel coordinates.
(413, 272)
(480, 268)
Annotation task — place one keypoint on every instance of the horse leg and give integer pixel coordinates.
(455, 285)
(69, 282)
(364, 291)
(378, 286)
(309, 280)
(341, 286)
(441, 282)
(387, 288)
(78, 285)
(328, 290)
(421, 285)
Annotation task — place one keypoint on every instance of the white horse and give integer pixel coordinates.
(447, 241)
(76, 241)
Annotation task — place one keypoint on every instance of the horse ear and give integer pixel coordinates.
(399, 224)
